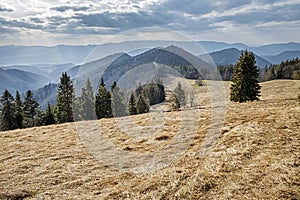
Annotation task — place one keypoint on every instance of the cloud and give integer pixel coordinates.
(73, 8)
(5, 9)
(114, 16)
(19, 24)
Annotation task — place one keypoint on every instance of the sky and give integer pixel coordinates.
(82, 22)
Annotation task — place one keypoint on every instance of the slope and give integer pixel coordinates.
(231, 56)
(286, 55)
(256, 157)
(14, 79)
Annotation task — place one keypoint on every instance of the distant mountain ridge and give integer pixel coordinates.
(14, 79)
(286, 55)
(91, 63)
(231, 56)
(29, 55)
(117, 66)
(62, 54)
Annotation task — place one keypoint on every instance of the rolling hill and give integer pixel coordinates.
(62, 54)
(14, 79)
(286, 55)
(255, 157)
(231, 56)
(28, 55)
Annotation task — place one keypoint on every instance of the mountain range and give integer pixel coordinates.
(34, 67)
(230, 57)
(62, 54)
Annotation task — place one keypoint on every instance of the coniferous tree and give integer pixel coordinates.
(117, 101)
(103, 102)
(176, 103)
(65, 96)
(180, 94)
(132, 105)
(141, 105)
(18, 118)
(192, 97)
(32, 111)
(77, 107)
(88, 102)
(49, 115)
(7, 110)
(245, 85)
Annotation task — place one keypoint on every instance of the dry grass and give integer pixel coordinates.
(256, 157)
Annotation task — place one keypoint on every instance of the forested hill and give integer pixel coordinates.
(173, 57)
(289, 69)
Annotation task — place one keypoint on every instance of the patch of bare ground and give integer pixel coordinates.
(256, 157)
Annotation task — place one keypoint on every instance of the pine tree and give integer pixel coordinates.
(49, 115)
(141, 105)
(132, 105)
(7, 110)
(117, 101)
(176, 103)
(245, 85)
(32, 111)
(88, 102)
(192, 97)
(179, 92)
(18, 118)
(103, 102)
(77, 107)
(65, 96)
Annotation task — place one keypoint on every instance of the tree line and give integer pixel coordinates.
(289, 69)
(15, 113)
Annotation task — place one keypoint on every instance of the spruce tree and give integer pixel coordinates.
(65, 96)
(77, 107)
(18, 118)
(132, 105)
(245, 85)
(32, 111)
(88, 102)
(7, 110)
(49, 115)
(103, 102)
(141, 105)
(176, 103)
(180, 94)
(117, 101)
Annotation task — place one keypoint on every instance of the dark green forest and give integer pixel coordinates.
(17, 113)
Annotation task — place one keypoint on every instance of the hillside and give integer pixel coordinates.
(256, 156)
(14, 79)
(231, 56)
(286, 55)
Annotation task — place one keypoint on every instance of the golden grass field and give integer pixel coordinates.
(257, 156)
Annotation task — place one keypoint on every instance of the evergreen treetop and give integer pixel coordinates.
(7, 111)
(18, 118)
(32, 111)
(245, 85)
(65, 96)
(103, 102)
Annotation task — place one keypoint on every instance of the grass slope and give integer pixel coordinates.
(256, 157)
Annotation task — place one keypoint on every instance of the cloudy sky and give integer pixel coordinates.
(51, 22)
